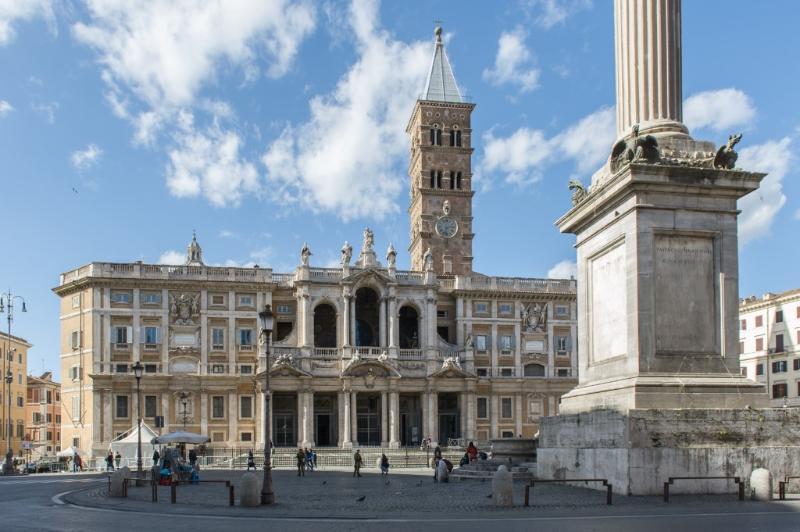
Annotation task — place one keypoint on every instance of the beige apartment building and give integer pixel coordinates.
(13, 421)
(43, 416)
(769, 335)
(362, 354)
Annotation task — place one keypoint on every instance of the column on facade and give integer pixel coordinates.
(204, 339)
(203, 413)
(353, 321)
(165, 411)
(551, 406)
(471, 414)
(344, 415)
(493, 348)
(354, 418)
(97, 324)
(259, 416)
(433, 416)
(233, 341)
(392, 320)
(310, 436)
(494, 415)
(136, 352)
(308, 320)
(394, 420)
(165, 331)
(459, 321)
(425, 415)
(97, 409)
(647, 44)
(430, 311)
(382, 322)
(107, 335)
(573, 357)
(384, 419)
(345, 318)
(108, 419)
(134, 399)
(551, 348)
(518, 414)
(301, 419)
(233, 417)
(517, 342)
(462, 414)
(271, 417)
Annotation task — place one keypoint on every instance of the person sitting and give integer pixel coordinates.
(464, 460)
(472, 452)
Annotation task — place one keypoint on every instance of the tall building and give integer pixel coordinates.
(43, 416)
(12, 419)
(769, 336)
(362, 354)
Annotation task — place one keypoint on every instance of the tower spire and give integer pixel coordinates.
(441, 84)
(194, 253)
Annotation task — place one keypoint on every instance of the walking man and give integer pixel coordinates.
(357, 461)
(250, 460)
(110, 461)
(385, 467)
(301, 459)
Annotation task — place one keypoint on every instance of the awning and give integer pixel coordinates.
(180, 437)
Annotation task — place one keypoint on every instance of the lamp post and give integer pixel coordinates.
(267, 495)
(184, 398)
(7, 300)
(137, 372)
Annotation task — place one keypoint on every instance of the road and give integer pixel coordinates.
(34, 503)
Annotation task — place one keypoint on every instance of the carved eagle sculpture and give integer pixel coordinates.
(726, 155)
(578, 191)
(634, 148)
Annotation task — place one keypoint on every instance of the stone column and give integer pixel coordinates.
(462, 414)
(305, 340)
(353, 321)
(271, 417)
(518, 414)
(471, 400)
(382, 322)
(345, 320)
(310, 436)
(384, 419)
(203, 412)
(165, 411)
(233, 417)
(517, 343)
(344, 400)
(394, 420)
(647, 43)
(392, 321)
(108, 420)
(494, 415)
(431, 317)
(459, 321)
(354, 418)
(165, 332)
(136, 352)
(301, 419)
(426, 414)
(433, 416)
(204, 339)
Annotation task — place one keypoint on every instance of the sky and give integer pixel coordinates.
(126, 125)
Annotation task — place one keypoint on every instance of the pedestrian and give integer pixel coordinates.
(192, 457)
(156, 457)
(301, 459)
(110, 461)
(472, 452)
(309, 460)
(437, 456)
(385, 467)
(250, 460)
(314, 459)
(78, 462)
(357, 461)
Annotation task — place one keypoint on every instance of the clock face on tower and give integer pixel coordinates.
(446, 227)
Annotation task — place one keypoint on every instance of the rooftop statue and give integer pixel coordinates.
(634, 149)
(305, 254)
(726, 155)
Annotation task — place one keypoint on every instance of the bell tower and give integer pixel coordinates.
(441, 171)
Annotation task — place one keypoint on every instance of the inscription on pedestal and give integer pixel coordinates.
(685, 295)
(608, 310)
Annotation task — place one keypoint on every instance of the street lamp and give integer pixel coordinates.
(137, 372)
(7, 300)
(267, 495)
(184, 398)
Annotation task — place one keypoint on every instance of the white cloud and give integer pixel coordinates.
(522, 156)
(514, 63)
(552, 12)
(347, 158)
(208, 162)
(565, 269)
(172, 257)
(19, 10)
(718, 110)
(5, 108)
(48, 110)
(85, 159)
(760, 207)
(164, 51)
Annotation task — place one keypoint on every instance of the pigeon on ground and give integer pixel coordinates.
(489, 496)
(361, 498)
(324, 482)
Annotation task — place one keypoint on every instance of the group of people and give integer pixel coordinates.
(471, 455)
(358, 461)
(306, 461)
(112, 461)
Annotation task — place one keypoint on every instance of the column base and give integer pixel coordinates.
(347, 445)
(394, 445)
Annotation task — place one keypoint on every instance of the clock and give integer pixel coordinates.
(446, 227)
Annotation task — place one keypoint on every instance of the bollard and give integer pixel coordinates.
(173, 492)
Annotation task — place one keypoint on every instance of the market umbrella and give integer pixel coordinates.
(180, 437)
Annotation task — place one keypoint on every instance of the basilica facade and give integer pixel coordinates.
(361, 355)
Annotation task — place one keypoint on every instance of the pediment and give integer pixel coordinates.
(369, 274)
(370, 368)
(451, 368)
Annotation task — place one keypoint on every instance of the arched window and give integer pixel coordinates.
(534, 370)
(452, 180)
(458, 180)
(324, 326)
(452, 137)
(436, 135)
(433, 178)
(458, 138)
(367, 319)
(438, 179)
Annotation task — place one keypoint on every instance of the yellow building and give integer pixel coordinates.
(43, 416)
(13, 421)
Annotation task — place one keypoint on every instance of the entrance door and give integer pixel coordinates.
(369, 419)
(449, 417)
(323, 430)
(284, 431)
(410, 421)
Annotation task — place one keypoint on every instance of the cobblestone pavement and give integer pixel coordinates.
(339, 495)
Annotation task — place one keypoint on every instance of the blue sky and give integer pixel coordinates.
(124, 126)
